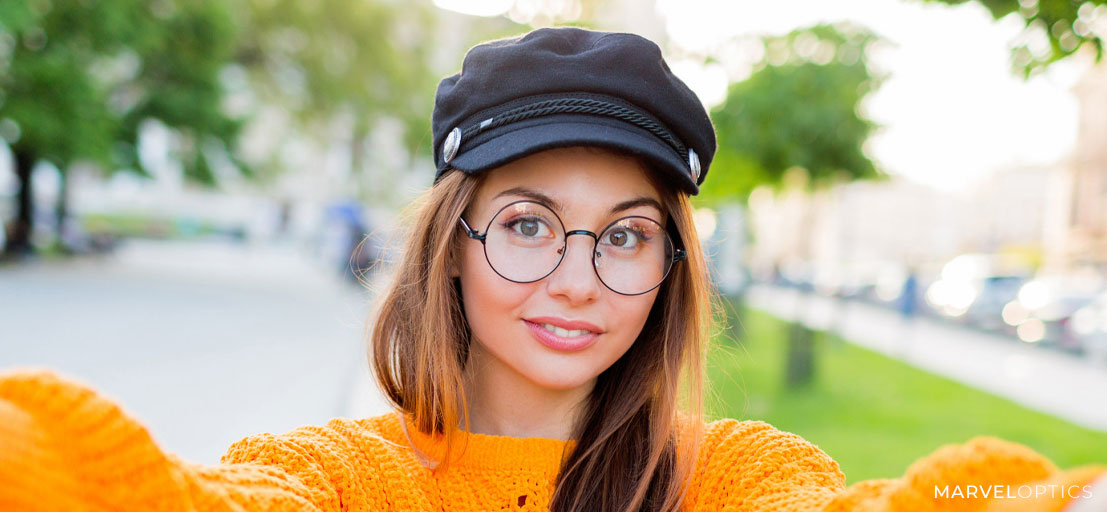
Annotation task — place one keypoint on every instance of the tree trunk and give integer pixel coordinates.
(800, 370)
(801, 355)
(357, 162)
(19, 235)
(61, 213)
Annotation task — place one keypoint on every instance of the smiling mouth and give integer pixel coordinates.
(561, 339)
(565, 333)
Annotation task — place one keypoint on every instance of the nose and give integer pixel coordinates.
(575, 278)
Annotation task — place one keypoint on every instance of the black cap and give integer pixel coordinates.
(566, 86)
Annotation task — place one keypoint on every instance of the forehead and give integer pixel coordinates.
(578, 178)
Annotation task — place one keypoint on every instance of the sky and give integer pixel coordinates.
(951, 109)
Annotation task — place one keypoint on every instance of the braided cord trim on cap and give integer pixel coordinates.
(577, 106)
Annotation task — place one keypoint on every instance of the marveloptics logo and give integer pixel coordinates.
(1016, 492)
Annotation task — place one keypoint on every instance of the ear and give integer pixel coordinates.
(452, 270)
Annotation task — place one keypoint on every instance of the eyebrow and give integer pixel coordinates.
(557, 206)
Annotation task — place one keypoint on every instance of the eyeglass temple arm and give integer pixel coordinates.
(679, 255)
(471, 232)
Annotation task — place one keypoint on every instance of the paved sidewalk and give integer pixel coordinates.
(1065, 386)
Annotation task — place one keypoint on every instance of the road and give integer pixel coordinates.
(204, 343)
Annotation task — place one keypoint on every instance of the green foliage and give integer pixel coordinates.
(61, 115)
(78, 77)
(1065, 23)
(873, 414)
(798, 109)
(59, 108)
(180, 76)
(328, 57)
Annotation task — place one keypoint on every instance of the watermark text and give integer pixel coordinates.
(1026, 491)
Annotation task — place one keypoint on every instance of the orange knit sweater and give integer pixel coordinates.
(65, 447)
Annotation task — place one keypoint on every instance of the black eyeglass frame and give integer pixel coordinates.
(679, 254)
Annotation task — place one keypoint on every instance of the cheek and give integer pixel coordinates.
(632, 313)
(489, 300)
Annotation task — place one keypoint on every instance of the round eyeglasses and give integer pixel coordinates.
(525, 242)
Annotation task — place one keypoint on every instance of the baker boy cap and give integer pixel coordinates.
(566, 86)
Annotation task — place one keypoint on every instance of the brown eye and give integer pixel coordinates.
(528, 227)
(619, 238)
(623, 238)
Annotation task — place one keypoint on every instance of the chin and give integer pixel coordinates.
(549, 380)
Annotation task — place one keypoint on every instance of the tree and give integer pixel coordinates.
(803, 111)
(797, 115)
(362, 59)
(76, 79)
(79, 79)
(1067, 25)
(179, 85)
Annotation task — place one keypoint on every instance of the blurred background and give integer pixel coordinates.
(907, 215)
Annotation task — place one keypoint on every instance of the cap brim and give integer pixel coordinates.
(524, 138)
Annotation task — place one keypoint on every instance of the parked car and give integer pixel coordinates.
(1044, 307)
(974, 288)
(976, 302)
(1089, 327)
(986, 311)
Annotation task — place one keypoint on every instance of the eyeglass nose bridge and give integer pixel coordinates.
(565, 246)
(582, 232)
(565, 242)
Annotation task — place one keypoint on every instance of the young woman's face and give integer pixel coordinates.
(587, 184)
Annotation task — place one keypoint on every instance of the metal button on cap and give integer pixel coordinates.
(449, 147)
(694, 163)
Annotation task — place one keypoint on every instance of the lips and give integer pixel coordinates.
(560, 343)
(570, 325)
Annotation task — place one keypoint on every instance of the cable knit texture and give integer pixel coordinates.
(63, 446)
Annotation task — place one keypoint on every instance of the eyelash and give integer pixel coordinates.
(510, 224)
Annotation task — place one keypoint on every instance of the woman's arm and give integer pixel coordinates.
(753, 466)
(986, 474)
(65, 447)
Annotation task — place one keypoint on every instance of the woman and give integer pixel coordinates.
(550, 304)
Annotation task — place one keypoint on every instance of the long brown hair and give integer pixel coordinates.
(641, 409)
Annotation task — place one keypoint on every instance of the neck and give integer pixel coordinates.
(503, 402)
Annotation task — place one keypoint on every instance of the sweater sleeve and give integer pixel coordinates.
(753, 466)
(63, 446)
